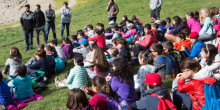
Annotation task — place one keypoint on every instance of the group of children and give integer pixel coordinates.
(107, 56)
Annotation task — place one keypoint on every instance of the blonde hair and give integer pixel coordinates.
(202, 19)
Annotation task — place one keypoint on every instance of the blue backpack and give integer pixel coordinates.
(59, 65)
(212, 96)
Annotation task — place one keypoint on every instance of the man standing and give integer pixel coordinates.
(65, 18)
(155, 6)
(50, 15)
(39, 24)
(27, 22)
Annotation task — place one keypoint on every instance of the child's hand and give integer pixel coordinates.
(136, 42)
(178, 76)
(84, 88)
(168, 30)
(183, 48)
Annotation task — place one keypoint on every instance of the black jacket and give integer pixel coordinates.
(125, 53)
(39, 18)
(27, 21)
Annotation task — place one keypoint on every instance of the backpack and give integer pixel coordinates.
(216, 24)
(160, 36)
(179, 55)
(212, 96)
(59, 65)
(164, 104)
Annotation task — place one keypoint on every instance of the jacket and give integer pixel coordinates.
(68, 50)
(207, 28)
(129, 33)
(193, 25)
(160, 63)
(100, 41)
(196, 90)
(39, 65)
(39, 18)
(148, 41)
(77, 77)
(66, 15)
(97, 102)
(155, 4)
(5, 94)
(148, 102)
(185, 43)
(13, 64)
(170, 64)
(174, 31)
(196, 49)
(125, 53)
(61, 54)
(27, 21)
(112, 10)
(50, 15)
(123, 89)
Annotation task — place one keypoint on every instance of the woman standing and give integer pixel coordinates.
(65, 18)
(113, 10)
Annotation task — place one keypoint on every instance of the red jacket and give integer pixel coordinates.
(196, 90)
(185, 43)
(148, 41)
(97, 102)
(100, 41)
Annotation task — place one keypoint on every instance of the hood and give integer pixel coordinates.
(158, 90)
(211, 80)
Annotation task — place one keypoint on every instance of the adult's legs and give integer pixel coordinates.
(179, 98)
(47, 29)
(26, 40)
(112, 19)
(137, 49)
(62, 29)
(54, 31)
(67, 29)
(44, 34)
(37, 30)
(30, 34)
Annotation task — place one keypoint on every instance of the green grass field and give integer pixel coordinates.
(90, 12)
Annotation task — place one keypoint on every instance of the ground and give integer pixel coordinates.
(90, 12)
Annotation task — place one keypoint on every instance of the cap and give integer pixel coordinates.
(85, 28)
(130, 25)
(111, 23)
(193, 34)
(83, 41)
(153, 79)
(157, 22)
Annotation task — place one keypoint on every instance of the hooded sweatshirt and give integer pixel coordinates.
(185, 43)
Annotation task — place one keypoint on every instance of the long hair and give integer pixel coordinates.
(212, 51)
(77, 99)
(178, 21)
(202, 19)
(123, 70)
(103, 87)
(15, 54)
(100, 60)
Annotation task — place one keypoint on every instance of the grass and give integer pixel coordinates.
(90, 12)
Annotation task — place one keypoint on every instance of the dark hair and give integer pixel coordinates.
(65, 3)
(212, 51)
(168, 45)
(41, 53)
(133, 18)
(80, 32)
(78, 59)
(168, 19)
(38, 6)
(41, 47)
(100, 60)
(178, 21)
(77, 99)
(114, 51)
(122, 41)
(213, 11)
(148, 26)
(147, 57)
(103, 87)
(190, 14)
(196, 15)
(99, 32)
(157, 48)
(184, 23)
(52, 50)
(115, 40)
(98, 24)
(22, 70)
(113, 2)
(163, 23)
(126, 17)
(67, 40)
(189, 63)
(123, 70)
(15, 54)
(27, 5)
(74, 37)
(181, 35)
(186, 32)
(90, 26)
(54, 42)
(116, 28)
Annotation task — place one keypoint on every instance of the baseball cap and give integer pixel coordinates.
(193, 34)
(153, 79)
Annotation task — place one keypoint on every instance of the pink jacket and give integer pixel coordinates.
(193, 25)
(129, 34)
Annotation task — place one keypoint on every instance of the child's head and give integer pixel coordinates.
(133, 18)
(186, 32)
(114, 42)
(189, 15)
(15, 53)
(77, 99)
(163, 23)
(73, 38)
(99, 85)
(154, 26)
(80, 34)
(189, 66)
(98, 32)
(122, 69)
(66, 40)
(50, 50)
(125, 18)
(40, 54)
(22, 70)
(114, 52)
(209, 52)
(53, 43)
(180, 37)
(145, 57)
(176, 21)
(115, 28)
(130, 26)
(194, 37)
(196, 15)
(213, 11)
(89, 27)
(41, 47)
(152, 80)
(78, 59)
(167, 47)
(157, 49)
(100, 60)
(168, 20)
(121, 42)
(147, 28)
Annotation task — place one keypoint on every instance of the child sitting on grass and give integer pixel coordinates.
(67, 48)
(59, 50)
(99, 39)
(182, 41)
(83, 47)
(124, 51)
(113, 53)
(22, 84)
(74, 41)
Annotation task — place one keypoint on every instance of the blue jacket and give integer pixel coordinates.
(148, 102)
(5, 94)
(196, 49)
(39, 65)
(23, 87)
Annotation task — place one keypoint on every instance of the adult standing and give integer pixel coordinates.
(155, 6)
(27, 22)
(113, 10)
(50, 17)
(39, 24)
(65, 18)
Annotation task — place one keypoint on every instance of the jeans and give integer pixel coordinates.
(67, 29)
(48, 26)
(28, 37)
(112, 19)
(37, 30)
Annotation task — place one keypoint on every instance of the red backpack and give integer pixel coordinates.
(164, 103)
